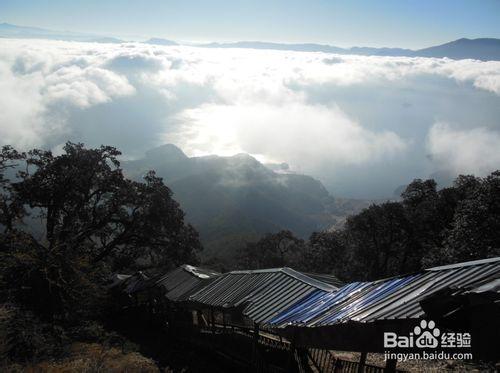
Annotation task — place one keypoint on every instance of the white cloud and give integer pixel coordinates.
(297, 132)
(236, 100)
(40, 79)
(21, 108)
(471, 151)
(353, 70)
(489, 83)
(84, 87)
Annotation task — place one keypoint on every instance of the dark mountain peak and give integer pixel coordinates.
(15, 28)
(485, 49)
(370, 51)
(243, 157)
(475, 41)
(10, 25)
(481, 49)
(234, 199)
(239, 159)
(242, 167)
(304, 47)
(467, 42)
(279, 167)
(160, 41)
(106, 39)
(247, 162)
(166, 152)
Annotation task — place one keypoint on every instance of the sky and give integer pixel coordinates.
(393, 23)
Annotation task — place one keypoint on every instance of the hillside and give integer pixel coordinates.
(234, 199)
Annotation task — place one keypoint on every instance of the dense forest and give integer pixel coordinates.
(70, 221)
(428, 227)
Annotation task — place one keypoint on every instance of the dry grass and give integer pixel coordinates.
(92, 358)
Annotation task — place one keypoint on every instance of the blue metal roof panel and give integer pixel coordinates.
(347, 310)
(384, 299)
(311, 306)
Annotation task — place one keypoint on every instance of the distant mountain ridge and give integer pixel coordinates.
(8, 30)
(235, 199)
(311, 47)
(485, 49)
(160, 41)
(481, 49)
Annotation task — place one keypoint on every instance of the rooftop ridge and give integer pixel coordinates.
(199, 272)
(464, 264)
(292, 273)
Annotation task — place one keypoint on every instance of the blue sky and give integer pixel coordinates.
(411, 24)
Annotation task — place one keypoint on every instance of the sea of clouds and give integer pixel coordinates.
(361, 124)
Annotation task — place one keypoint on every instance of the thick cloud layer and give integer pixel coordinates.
(362, 124)
(470, 151)
(296, 132)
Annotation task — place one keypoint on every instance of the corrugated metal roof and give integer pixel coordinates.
(117, 279)
(262, 293)
(393, 298)
(184, 281)
(492, 286)
(464, 264)
(132, 283)
(328, 278)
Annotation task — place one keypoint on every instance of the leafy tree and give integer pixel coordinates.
(421, 202)
(10, 210)
(325, 252)
(94, 220)
(273, 250)
(87, 205)
(377, 240)
(464, 187)
(475, 233)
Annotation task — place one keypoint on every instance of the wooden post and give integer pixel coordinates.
(362, 362)
(212, 319)
(291, 357)
(336, 365)
(390, 366)
(199, 319)
(255, 341)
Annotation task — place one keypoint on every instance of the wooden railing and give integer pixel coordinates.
(257, 350)
(324, 361)
(303, 360)
(263, 353)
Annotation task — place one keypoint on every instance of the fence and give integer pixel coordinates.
(262, 351)
(246, 347)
